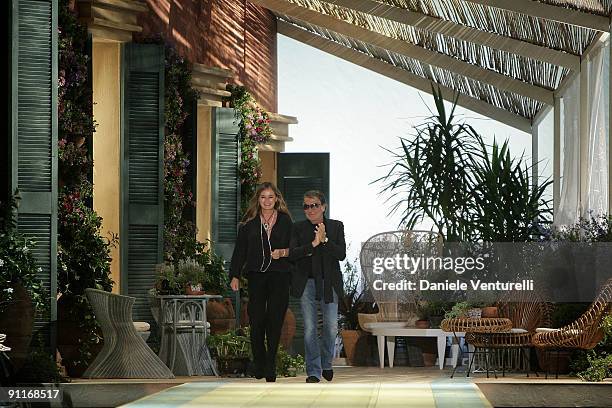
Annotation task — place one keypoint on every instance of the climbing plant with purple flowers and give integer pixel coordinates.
(255, 129)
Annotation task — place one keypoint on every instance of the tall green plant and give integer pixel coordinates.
(17, 263)
(431, 177)
(446, 174)
(508, 208)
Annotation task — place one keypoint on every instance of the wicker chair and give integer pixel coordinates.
(124, 354)
(584, 333)
(395, 306)
(527, 310)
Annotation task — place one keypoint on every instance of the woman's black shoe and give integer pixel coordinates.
(312, 379)
(271, 379)
(328, 374)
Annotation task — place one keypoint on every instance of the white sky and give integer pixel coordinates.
(350, 112)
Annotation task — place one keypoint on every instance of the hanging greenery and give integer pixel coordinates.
(180, 241)
(255, 129)
(179, 234)
(83, 253)
(17, 263)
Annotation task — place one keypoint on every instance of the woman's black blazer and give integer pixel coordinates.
(248, 253)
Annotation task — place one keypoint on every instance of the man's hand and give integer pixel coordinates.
(317, 239)
(235, 284)
(321, 232)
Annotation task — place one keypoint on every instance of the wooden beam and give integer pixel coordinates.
(400, 75)
(539, 117)
(462, 32)
(407, 49)
(610, 132)
(550, 12)
(535, 168)
(557, 158)
(583, 142)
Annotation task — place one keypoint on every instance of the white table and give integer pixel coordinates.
(389, 330)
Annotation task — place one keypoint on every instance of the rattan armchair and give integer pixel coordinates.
(124, 353)
(527, 310)
(585, 332)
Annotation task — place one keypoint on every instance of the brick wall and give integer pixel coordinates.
(232, 34)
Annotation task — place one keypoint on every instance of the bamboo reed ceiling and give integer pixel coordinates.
(568, 40)
(512, 102)
(547, 33)
(601, 7)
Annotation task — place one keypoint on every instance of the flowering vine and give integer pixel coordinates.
(83, 253)
(254, 124)
(179, 234)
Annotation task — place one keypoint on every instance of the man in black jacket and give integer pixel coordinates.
(317, 247)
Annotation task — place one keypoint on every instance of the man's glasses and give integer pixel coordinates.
(310, 206)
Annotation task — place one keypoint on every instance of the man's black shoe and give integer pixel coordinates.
(328, 374)
(312, 379)
(271, 379)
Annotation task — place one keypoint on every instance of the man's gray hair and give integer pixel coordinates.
(316, 194)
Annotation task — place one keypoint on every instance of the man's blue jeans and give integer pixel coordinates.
(319, 354)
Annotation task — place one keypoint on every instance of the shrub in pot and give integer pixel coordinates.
(349, 306)
(21, 293)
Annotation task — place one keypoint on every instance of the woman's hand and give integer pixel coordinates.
(280, 253)
(235, 284)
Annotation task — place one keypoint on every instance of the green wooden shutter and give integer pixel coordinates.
(142, 152)
(33, 141)
(296, 174)
(226, 183)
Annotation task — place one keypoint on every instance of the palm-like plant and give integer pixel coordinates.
(431, 175)
(447, 175)
(508, 207)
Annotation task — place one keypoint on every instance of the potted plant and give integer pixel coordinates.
(21, 293)
(431, 312)
(349, 306)
(192, 275)
(231, 351)
(459, 309)
(422, 312)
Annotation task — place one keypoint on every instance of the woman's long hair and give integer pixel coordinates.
(254, 209)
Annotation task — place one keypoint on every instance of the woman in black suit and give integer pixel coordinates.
(261, 251)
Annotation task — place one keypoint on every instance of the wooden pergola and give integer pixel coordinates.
(509, 60)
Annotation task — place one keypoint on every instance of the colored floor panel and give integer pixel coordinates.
(354, 395)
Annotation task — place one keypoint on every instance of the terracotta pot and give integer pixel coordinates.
(18, 330)
(221, 326)
(288, 330)
(69, 338)
(429, 359)
(220, 310)
(489, 311)
(244, 312)
(548, 361)
(221, 316)
(354, 343)
(422, 324)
